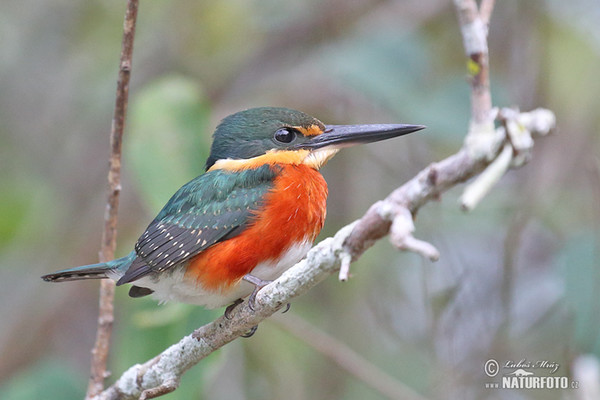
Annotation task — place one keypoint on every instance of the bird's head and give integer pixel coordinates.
(263, 135)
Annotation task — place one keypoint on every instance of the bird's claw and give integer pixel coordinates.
(258, 284)
(231, 307)
(228, 315)
(250, 332)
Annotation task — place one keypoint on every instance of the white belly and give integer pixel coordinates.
(173, 286)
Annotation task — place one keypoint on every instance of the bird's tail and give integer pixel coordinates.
(111, 269)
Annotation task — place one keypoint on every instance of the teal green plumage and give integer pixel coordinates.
(108, 269)
(255, 127)
(213, 207)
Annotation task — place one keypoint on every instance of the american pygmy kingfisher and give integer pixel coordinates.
(253, 214)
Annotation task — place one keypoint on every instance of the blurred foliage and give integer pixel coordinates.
(50, 383)
(576, 263)
(165, 141)
(518, 276)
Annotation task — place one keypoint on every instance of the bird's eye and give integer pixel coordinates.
(285, 135)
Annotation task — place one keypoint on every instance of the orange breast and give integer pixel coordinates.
(294, 211)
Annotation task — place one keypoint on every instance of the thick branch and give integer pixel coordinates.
(109, 234)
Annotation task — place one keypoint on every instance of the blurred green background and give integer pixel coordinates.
(518, 277)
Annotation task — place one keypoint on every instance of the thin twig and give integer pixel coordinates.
(109, 234)
(486, 180)
(474, 33)
(481, 140)
(346, 358)
(485, 10)
(345, 260)
(428, 185)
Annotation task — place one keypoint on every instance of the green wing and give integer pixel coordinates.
(211, 208)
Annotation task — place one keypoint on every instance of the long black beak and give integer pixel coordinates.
(347, 135)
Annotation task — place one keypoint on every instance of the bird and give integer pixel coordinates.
(253, 213)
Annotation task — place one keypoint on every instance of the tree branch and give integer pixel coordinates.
(474, 30)
(109, 234)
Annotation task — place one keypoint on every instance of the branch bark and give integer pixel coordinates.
(473, 23)
(109, 234)
(474, 30)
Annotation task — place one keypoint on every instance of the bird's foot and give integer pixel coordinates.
(250, 332)
(228, 315)
(231, 307)
(258, 284)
